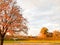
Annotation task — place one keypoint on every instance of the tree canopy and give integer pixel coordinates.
(11, 18)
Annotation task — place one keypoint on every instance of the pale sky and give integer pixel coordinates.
(41, 13)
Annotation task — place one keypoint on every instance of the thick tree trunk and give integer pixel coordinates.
(1, 40)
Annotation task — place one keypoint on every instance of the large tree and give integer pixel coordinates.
(10, 19)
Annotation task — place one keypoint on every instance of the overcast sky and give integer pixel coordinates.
(41, 13)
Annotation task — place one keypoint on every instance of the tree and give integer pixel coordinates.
(10, 19)
(43, 32)
(56, 34)
(49, 34)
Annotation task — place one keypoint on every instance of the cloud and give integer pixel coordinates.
(41, 13)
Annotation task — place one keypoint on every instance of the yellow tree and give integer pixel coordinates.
(10, 19)
(43, 32)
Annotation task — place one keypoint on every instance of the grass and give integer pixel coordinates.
(34, 41)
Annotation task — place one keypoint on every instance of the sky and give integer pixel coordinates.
(41, 13)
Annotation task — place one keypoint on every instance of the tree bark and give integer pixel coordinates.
(1, 40)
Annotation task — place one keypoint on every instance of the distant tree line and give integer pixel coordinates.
(44, 34)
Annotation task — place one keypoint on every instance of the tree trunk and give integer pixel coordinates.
(1, 40)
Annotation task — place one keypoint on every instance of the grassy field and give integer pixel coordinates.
(32, 42)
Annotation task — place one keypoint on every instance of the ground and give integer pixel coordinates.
(32, 42)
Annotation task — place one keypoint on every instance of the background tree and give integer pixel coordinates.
(43, 32)
(56, 34)
(10, 19)
(49, 34)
